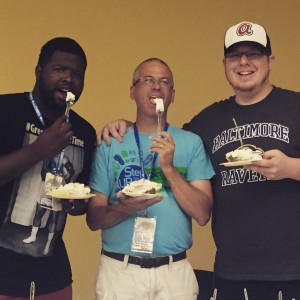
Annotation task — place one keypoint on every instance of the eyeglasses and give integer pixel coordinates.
(149, 80)
(251, 55)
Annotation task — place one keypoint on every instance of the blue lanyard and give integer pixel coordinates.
(137, 139)
(61, 155)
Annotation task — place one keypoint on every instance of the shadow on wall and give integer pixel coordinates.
(205, 282)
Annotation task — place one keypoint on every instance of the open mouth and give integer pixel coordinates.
(63, 94)
(152, 99)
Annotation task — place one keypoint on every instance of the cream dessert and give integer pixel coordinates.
(70, 100)
(159, 105)
(75, 189)
(245, 153)
(70, 97)
(142, 186)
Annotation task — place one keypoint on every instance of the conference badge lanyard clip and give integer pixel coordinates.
(144, 226)
(54, 178)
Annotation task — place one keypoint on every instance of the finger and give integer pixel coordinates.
(122, 129)
(98, 139)
(269, 154)
(60, 121)
(115, 132)
(165, 135)
(157, 147)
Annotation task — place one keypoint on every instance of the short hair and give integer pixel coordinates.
(62, 44)
(149, 60)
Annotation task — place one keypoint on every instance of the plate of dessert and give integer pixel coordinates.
(142, 187)
(73, 190)
(244, 155)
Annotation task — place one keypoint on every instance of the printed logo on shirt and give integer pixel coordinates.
(254, 130)
(238, 175)
(31, 128)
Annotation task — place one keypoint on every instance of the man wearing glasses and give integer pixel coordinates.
(145, 240)
(255, 218)
(256, 211)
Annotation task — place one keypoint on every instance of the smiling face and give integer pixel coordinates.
(63, 72)
(247, 71)
(152, 79)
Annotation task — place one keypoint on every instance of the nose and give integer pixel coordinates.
(244, 59)
(156, 84)
(67, 76)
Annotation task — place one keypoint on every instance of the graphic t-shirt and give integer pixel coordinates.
(256, 222)
(117, 165)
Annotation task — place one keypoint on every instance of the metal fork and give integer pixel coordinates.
(32, 290)
(68, 105)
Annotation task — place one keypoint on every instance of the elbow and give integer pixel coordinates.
(93, 226)
(204, 214)
(203, 219)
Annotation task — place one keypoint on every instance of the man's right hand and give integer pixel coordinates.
(50, 142)
(53, 139)
(114, 128)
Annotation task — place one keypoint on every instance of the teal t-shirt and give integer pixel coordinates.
(117, 165)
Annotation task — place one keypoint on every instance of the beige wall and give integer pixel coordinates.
(117, 35)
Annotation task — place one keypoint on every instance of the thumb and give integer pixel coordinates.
(269, 154)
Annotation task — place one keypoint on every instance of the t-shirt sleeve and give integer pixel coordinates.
(200, 167)
(99, 179)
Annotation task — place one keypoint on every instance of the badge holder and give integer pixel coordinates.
(143, 234)
(51, 182)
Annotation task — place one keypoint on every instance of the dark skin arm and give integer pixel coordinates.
(51, 142)
(75, 207)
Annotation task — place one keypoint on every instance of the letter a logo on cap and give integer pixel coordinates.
(246, 32)
(244, 29)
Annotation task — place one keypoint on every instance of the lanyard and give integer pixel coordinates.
(137, 139)
(40, 116)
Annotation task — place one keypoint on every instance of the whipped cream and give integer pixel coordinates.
(70, 97)
(245, 153)
(142, 186)
(159, 104)
(73, 188)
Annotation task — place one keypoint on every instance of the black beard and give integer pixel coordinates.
(47, 97)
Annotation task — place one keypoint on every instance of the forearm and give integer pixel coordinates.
(99, 217)
(196, 200)
(16, 163)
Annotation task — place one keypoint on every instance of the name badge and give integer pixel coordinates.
(51, 182)
(143, 235)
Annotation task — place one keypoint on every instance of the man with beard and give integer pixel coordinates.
(36, 135)
(256, 209)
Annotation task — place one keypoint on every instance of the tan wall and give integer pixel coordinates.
(117, 35)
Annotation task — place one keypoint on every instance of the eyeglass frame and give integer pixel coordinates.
(150, 80)
(250, 55)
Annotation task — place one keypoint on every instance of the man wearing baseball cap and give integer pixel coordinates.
(256, 214)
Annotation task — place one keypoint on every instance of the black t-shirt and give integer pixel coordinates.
(256, 222)
(44, 261)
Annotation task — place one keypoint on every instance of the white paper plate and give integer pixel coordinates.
(60, 195)
(148, 196)
(238, 163)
